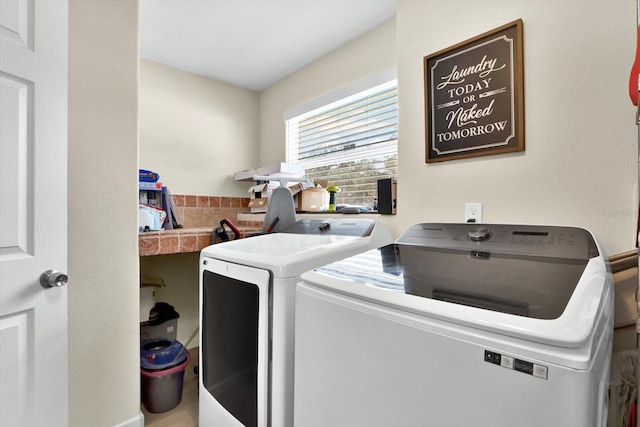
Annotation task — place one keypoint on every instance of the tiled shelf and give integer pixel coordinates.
(181, 240)
(200, 215)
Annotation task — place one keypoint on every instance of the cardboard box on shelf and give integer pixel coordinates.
(259, 191)
(260, 194)
(259, 205)
(295, 188)
(259, 197)
(306, 198)
(313, 199)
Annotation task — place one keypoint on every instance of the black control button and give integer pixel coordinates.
(523, 366)
(324, 226)
(492, 357)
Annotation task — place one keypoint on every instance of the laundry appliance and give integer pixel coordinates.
(247, 316)
(458, 325)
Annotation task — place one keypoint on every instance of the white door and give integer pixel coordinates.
(33, 212)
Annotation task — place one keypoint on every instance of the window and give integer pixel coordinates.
(351, 142)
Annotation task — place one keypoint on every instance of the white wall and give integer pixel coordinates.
(104, 361)
(196, 132)
(580, 163)
(366, 56)
(580, 166)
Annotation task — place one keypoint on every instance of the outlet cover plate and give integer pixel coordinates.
(473, 212)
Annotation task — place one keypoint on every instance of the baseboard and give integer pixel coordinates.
(133, 422)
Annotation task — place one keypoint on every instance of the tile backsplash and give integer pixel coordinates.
(207, 211)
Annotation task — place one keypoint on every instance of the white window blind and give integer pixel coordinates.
(351, 142)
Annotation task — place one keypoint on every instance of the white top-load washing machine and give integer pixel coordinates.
(247, 316)
(458, 325)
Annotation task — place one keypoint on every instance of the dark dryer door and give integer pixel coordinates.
(234, 328)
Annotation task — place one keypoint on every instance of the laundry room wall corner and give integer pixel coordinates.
(104, 343)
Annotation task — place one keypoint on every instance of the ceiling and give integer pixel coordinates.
(252, 43)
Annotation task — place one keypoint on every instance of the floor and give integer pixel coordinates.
(186, 413)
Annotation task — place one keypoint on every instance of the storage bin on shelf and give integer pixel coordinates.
(162, 323)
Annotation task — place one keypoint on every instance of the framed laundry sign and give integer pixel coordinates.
(474, 96)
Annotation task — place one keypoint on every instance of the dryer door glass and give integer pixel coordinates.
(230, 325)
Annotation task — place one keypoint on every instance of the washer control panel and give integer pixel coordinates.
(515, 364)
(535, 240)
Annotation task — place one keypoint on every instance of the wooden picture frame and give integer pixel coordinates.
(474, 96)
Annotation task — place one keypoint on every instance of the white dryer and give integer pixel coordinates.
(247, 316)
(458, 325)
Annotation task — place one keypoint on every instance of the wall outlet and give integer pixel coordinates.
(473, 212)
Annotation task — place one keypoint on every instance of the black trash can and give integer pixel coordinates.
(162, 366)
